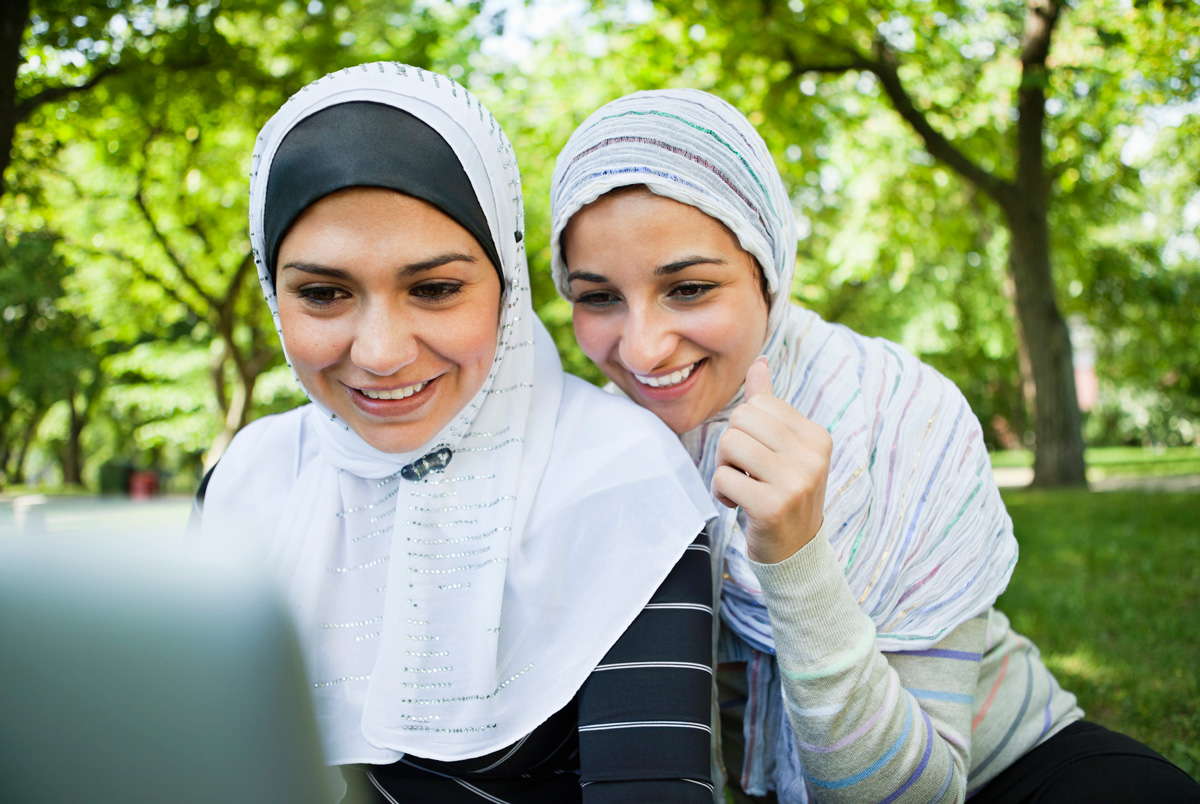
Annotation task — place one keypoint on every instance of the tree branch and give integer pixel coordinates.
(228, 305)
(51, 94)
(885, 67)
(853, 61)
(144, 272)
(216, 367)
(139, 200)
(800, 68)
(235, 282)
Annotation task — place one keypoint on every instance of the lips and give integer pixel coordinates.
(395, 393)
(390, 403)
(667, 380)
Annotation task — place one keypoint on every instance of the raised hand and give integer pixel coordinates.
(774, 463)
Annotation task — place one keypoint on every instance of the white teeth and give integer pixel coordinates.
(399, 393)
(667, 380)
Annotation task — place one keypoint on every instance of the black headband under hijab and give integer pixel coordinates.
(364, 144)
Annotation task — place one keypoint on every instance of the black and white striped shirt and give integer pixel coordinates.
(638, 729)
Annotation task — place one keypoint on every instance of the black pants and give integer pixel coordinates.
(1088, 763)
(1082, 763)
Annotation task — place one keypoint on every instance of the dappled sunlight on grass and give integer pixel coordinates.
(1108, 586)
(1081, 665)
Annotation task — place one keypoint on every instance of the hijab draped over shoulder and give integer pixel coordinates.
(446, 609)
(911, 510)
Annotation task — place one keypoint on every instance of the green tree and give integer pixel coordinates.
(47, 360)
(145, 174)
(52, 52)
(998, 92)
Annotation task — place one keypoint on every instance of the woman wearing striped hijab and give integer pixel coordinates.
(863, 541)
(443, 516)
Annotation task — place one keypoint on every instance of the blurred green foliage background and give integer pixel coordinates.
(131, 332)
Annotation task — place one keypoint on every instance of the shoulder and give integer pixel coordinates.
(266, 449)
(590, 414)
(835, 370)
(599, 436)
(902, 379)
(606, 410)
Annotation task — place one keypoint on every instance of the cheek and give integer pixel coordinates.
(472, 344)
(592, 333)
(735, 334)
(311, 344)
(717, 329)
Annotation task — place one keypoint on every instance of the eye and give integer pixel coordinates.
(437, 291)
(597, 298)
(691, 290)
(321, 295)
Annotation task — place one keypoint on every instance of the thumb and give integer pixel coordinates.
(758, 379)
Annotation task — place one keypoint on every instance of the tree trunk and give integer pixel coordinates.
(1057, 425)
(17, 476)
(1024, 368)
(1058, 453)
(72, 464)
(237, 410)
(14, 16)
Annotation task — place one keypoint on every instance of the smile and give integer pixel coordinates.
(667, 380)
(397, 393)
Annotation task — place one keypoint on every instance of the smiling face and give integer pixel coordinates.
(666, 302)
(389, 311)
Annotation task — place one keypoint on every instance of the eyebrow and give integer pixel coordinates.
(686, 262)
(585, 276)
(407, 270)
(662, 270)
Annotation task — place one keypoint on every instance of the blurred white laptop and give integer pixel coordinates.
(131, 673)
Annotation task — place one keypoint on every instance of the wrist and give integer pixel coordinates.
(772, 549)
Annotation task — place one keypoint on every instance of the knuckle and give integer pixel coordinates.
(737, 417)
(825, 442)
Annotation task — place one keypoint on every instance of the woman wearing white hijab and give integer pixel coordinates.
(494, 568)
(864, 540)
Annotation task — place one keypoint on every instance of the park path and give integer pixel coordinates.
(1020, 476)
(167, 516)
(159, 517)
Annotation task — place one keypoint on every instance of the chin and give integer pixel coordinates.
(391, 443)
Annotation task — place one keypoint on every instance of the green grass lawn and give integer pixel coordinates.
(1108, 586)
(1104, 462)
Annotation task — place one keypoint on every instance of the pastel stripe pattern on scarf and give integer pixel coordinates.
(911, 512)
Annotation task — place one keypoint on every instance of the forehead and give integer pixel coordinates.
(372, 218)
(633, 227)
(370, 207)
(368, 232)
(628, 215)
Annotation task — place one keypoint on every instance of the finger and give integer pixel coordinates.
(721, 498)
(746, 454)
(788, 416)
(782, 429)
(735, 488)
(764, 426)
(758, 379)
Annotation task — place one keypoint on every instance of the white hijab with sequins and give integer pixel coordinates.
(450, 616)
(911, 510)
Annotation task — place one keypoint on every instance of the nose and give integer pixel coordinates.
(385, 340)
(648, 339)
